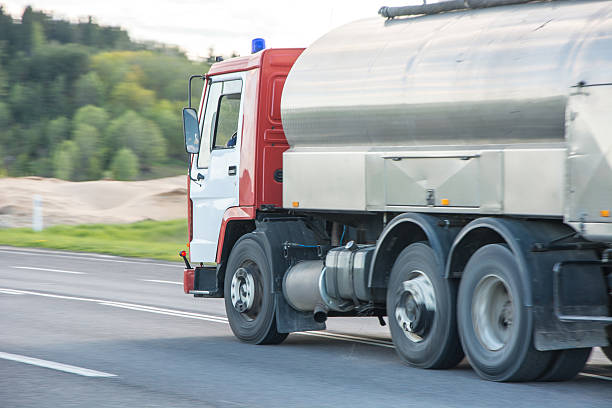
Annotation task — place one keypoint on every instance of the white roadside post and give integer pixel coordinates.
(37, 216)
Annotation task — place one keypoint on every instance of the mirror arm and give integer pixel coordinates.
(189, 88)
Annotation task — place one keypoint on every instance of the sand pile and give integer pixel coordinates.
(103, 201)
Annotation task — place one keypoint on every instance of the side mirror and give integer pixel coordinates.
(191, 129)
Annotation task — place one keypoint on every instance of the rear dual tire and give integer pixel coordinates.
(494, 327)
(496, 330)
(566, 364)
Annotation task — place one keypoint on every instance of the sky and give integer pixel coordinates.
(226, 25)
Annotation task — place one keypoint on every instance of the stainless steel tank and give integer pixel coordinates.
(490, 76)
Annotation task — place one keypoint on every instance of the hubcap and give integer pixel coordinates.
(492, 312)
(416, 306)
(243, 290)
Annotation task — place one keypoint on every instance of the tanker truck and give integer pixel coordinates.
(447, 167)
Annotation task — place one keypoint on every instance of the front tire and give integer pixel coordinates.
(249, 301)
(496, 330)
(421, 310)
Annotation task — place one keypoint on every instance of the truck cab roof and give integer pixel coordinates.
(248, 62)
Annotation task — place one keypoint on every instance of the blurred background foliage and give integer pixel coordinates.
(80, 101)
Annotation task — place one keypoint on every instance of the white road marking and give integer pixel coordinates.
(201, 316)
(86, 257)
(223, 320)
(357, 339)
(10, 292)
(168, 312)
(162, 281)
(600, 377)
(220, 319)
(55, 366)
(48, 270)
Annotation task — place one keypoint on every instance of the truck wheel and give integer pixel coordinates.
(566, 364)
(495, 328)
(421, 309)
(608, 352)
(249, 301)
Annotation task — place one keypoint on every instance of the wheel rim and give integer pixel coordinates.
(492, 312)
(246, 290)
(416, 306)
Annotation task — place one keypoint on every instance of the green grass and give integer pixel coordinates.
(146, 239)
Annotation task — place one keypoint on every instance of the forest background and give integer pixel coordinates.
(80, 101)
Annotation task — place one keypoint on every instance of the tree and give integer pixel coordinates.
(111, 67)
(22, 165)
(142, 136)
(89, 90)
(56, 86)
(37, 37)
(89, 32)
(64, 159)
(69, 60)
(165, 115)
(87, 140)
(5, 116)
(57, 130)
(57, 101)
(125, 165)
(6, 30)
(3, 76)
(91, 115)
(130, 95)
(18, 101)
(42, 167)
(25, 36)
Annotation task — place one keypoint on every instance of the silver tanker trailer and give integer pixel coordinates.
(450, 168)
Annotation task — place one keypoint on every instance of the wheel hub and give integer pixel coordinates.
(492, 312)
(243, 290)
(416, 306)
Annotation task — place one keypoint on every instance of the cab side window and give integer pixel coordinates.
(220, 124)
(227, 121)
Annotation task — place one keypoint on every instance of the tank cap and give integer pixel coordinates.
(351, 246)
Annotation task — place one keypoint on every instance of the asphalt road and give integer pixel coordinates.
(116, 332)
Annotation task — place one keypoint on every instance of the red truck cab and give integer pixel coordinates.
(233, 176)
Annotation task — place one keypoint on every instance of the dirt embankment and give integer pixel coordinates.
(103, 201)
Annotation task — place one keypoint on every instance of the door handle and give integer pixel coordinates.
(231, 171)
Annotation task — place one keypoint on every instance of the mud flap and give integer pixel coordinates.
(274, 234)
(289, 320)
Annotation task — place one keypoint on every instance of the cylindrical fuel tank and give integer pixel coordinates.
(500, 75)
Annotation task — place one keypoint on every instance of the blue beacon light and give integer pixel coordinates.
(257, 44)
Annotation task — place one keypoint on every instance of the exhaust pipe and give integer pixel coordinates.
(320, 313)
